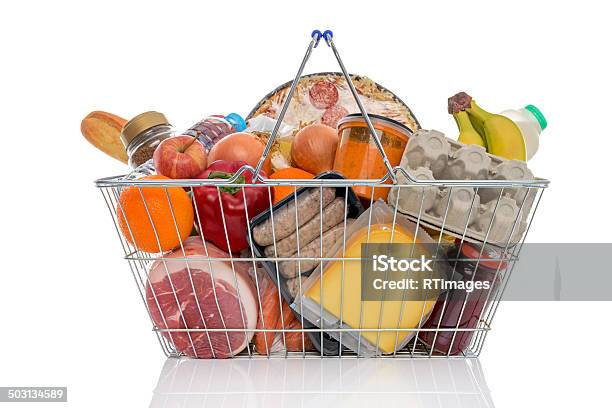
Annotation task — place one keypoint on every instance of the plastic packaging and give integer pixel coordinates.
(271, 318)
(145, 169)
(215, 127)
(357, 156)
(531, 122)
(430, 155)
(329, 345)
(280, 153)
(325, 97)
(334, 289)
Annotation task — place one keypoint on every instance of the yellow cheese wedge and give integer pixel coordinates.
(371, 318)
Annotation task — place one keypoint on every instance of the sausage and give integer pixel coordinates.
(289, 269)
(293, 285)
(332, 215)
(284, 217)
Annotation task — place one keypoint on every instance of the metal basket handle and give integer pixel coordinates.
(316, 36)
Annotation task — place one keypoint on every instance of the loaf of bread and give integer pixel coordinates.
(103, 130)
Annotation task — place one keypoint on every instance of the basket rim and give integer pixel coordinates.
(386, 181)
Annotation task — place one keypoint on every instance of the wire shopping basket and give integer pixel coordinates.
(300, 293)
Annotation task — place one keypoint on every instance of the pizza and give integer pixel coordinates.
(326, 98)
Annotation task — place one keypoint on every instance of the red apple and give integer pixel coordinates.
(180, 157)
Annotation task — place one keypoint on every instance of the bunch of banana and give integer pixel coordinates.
(497, 133)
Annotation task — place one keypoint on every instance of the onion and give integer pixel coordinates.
(240, 146)
(314, 148)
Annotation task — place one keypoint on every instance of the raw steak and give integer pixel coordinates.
(173, 284)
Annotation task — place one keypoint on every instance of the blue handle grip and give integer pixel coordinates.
(316, 35)
(328, 35)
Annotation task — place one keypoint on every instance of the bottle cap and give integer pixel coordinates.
(140, 123)
(236, 121)
(538, 115)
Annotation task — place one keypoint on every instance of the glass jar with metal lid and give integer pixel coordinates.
(142, 134)
(357, 156)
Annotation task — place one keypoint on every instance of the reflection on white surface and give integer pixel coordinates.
(188, 383)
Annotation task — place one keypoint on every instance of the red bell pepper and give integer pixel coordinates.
(210, 199)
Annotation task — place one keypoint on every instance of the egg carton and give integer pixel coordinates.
(430, 155)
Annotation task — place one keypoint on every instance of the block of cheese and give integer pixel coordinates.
(371, 315)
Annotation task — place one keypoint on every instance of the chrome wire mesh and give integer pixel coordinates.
(140, 263)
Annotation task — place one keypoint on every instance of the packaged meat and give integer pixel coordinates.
(294, 341)
(333, 214)
(268, 342)
(269, 316)
(285, 217)
(291, 269)
(195, 292)
(284, 212)
(336, 288)
(294, 285)
(309, 231)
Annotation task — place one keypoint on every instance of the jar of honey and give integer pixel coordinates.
(357, 156)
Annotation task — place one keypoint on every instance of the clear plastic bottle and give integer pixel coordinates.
(215, 127)
(145, 169)
(531, 122)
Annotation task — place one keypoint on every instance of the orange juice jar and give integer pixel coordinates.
(357, 156)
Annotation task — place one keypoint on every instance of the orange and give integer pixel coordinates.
(281, 192)
(140, 232)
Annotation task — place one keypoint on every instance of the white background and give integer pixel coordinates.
(69, 312)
